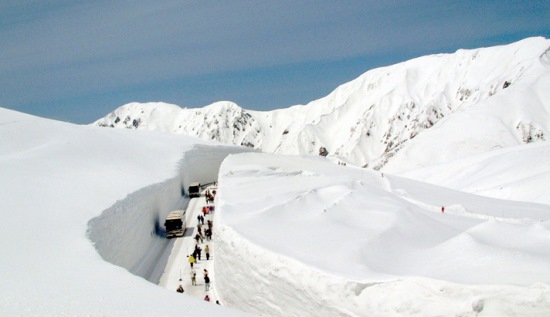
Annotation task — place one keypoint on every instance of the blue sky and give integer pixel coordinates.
(78, 60)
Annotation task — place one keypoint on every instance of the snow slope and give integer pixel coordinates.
(304, 237)
(293, 236)
(515, 173)
(60, 180)
(472, 101)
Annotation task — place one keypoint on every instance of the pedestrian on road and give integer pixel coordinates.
(191, 260)
(193, 277)
(202, 219)
(207, 251)
(199, 218)
(197, 237)
(206, 283)
(199, 251)
(180, 289)
(207, 298)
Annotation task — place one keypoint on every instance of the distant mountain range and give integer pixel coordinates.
(423, 111)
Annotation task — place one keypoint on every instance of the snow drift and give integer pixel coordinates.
(57, 177)
(303, 237)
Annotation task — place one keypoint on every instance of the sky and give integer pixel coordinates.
(77, 61)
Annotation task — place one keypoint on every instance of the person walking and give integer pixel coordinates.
(191, 260)
(206, 283)
(207, 251)
(193, 277)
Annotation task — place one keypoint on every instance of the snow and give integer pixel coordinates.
(294, 236)
(387, 117)
(515, 173)
(60, 181)
(82, 207)
(303, 233)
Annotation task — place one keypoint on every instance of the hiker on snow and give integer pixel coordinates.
(206, 283)
(193, 277)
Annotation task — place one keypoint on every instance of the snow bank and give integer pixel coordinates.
(55, 178)
(303, 237)
(130, 233)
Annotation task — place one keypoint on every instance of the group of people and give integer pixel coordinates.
(203, 232)
(199, 236)
(209, 195)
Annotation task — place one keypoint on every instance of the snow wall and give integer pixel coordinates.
(130, 233)
(266, 283)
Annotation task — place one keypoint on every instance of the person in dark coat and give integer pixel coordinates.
(206, 283)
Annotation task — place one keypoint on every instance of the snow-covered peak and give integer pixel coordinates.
(449, 105)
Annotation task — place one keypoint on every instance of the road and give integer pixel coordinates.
(178, 270)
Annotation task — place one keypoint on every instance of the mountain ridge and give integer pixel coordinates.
(386, 115)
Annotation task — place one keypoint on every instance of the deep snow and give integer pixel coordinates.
(293, 235)
(82, 207)
(305, 237)
(56, 177)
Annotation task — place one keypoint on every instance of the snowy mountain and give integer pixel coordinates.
(495, 97)
(293, 236)
(82, 206)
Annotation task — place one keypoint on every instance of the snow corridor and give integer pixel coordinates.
(130, 234)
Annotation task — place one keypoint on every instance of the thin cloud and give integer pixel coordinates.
(66, 49)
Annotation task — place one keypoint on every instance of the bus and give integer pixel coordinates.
(175, 224)
(195, 189)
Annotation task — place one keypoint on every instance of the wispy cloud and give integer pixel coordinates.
(65, 49)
